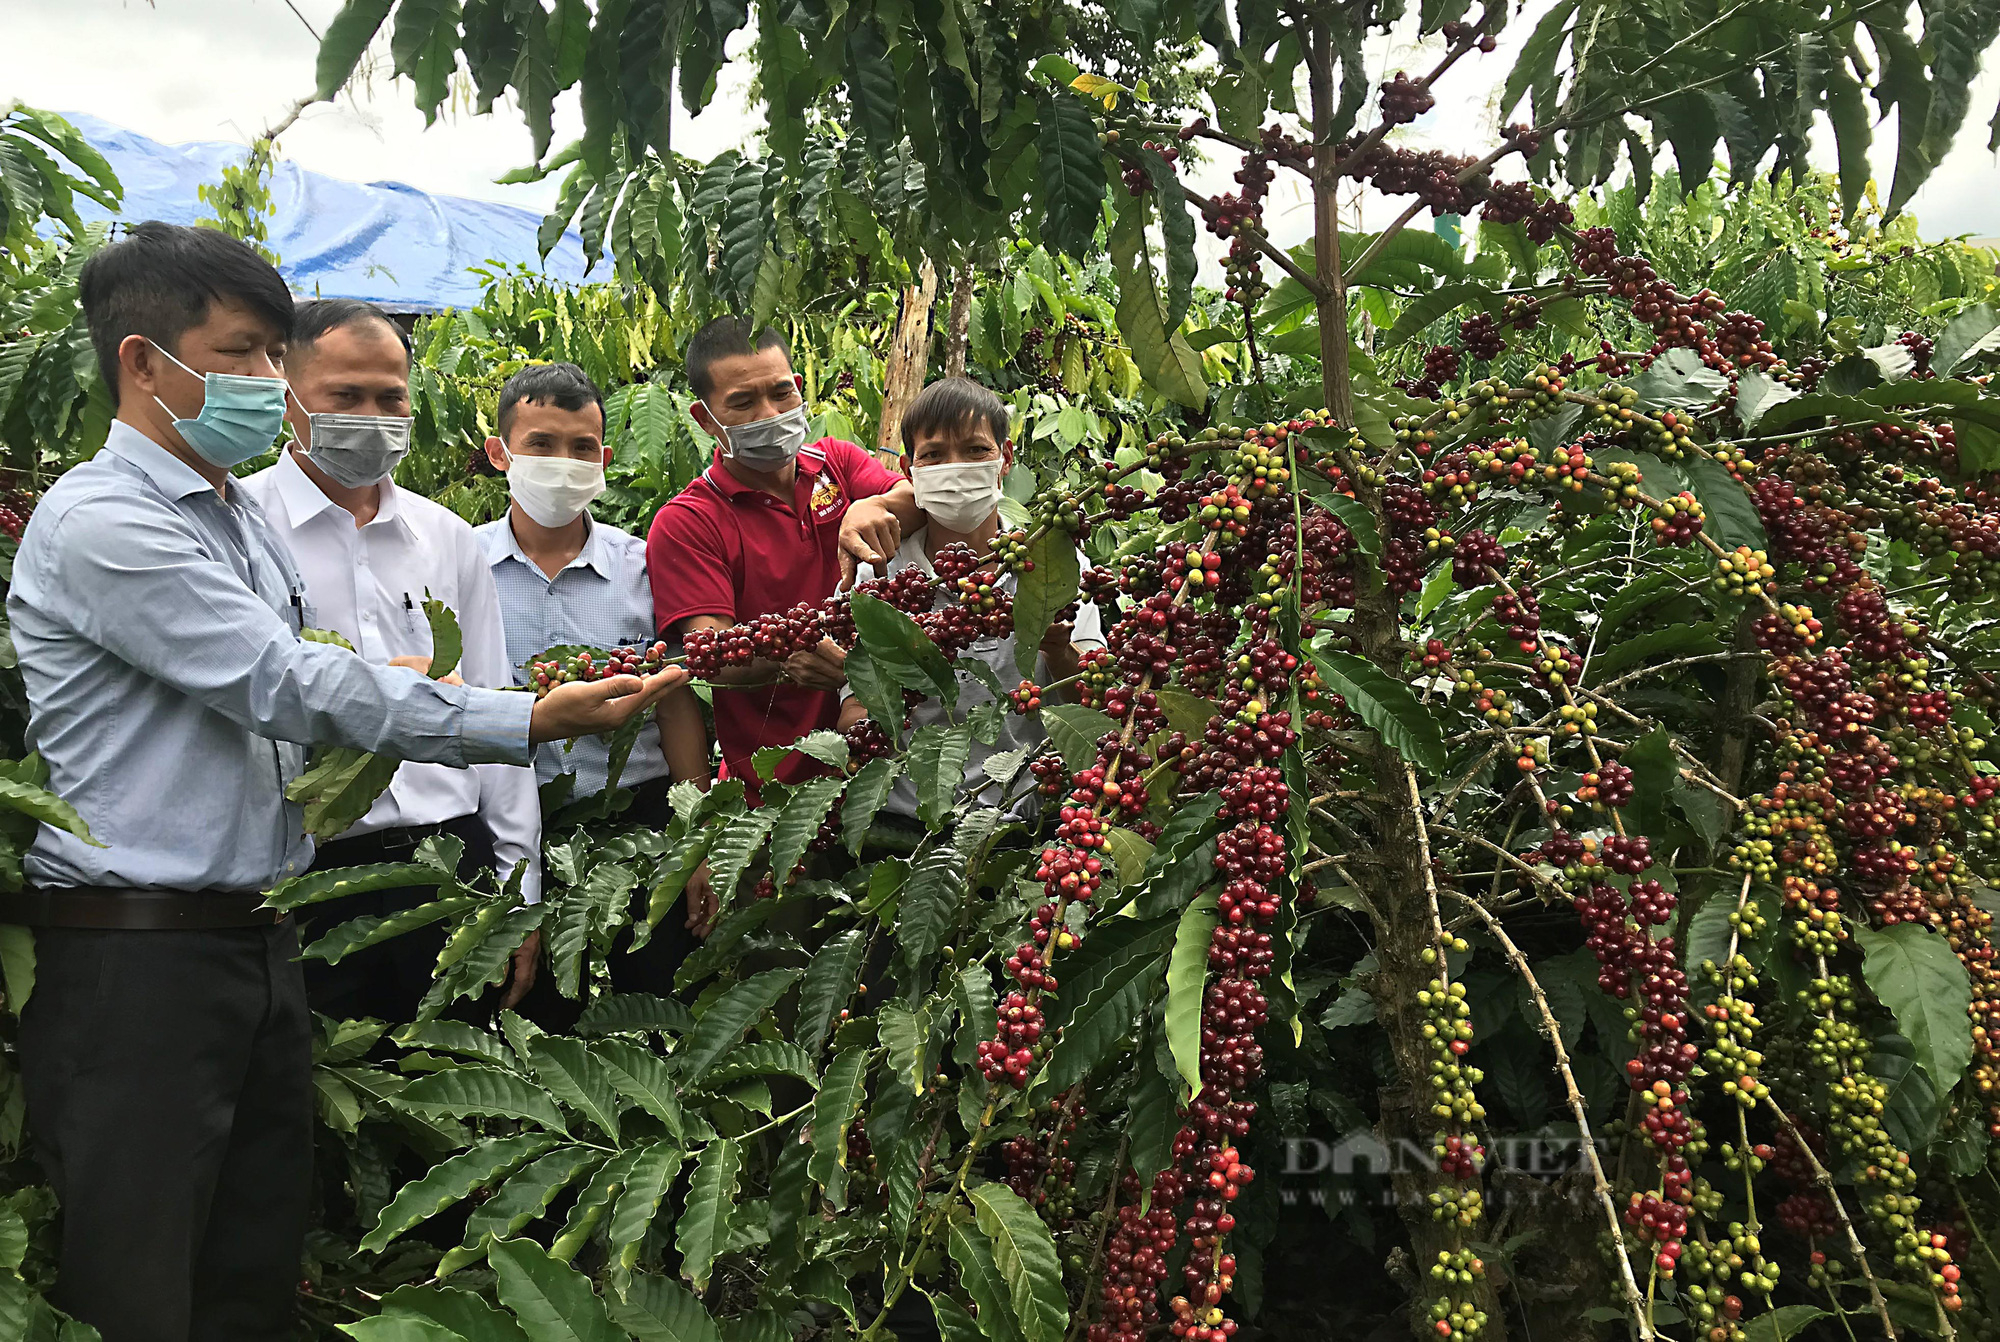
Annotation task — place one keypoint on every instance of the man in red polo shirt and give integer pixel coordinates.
(772, 522)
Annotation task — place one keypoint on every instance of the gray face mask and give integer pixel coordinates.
(357, 450)
(765, 444)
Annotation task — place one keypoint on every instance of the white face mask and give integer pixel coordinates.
(554, 491)
(959, 495)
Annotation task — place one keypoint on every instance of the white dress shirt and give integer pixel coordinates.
(368, 583)
(600, 599)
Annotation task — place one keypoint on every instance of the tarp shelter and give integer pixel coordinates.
(386, 242)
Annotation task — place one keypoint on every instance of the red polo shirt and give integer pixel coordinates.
(726, 549)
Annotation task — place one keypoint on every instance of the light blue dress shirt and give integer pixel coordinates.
(157, 623)
(601, 599)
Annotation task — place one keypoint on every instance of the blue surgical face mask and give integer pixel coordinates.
(239, 416)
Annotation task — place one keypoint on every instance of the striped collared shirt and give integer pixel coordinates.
(601, 599)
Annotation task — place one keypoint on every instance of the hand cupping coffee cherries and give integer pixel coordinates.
(544, 676)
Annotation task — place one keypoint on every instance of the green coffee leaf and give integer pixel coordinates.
(643, 1077)
(652, 1174)
(481, 1092)
(524, 1198)
(552, 1301)
(578, 1079)
(1041, 592)
(1026, 1258)
(1187, 979)
(1384, 703)
(1914, 973)
(834, 1110)
(828, 984)
(450, 1181)
(981, 1278)
(727, 1018)
(656, 1309)
(703, 1229)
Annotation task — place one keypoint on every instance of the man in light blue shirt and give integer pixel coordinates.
(566, 578)
(563, 576)
(165, 1051)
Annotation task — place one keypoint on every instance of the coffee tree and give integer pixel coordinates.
(1569, 710)
(1555, 622)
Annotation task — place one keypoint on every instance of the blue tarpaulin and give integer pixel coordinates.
(386, 242)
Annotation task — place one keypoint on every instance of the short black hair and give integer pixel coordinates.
(323, 316)
(159, 280)
(562, 385)
(727, 338)
(954, 403)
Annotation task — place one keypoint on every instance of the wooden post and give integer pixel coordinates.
(909, 357)
(957, 332)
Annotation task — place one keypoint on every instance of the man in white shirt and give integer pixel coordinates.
(370, 553)
(957, 453)
(565, 577)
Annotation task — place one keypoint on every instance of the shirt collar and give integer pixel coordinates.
(911, 551)
(595, 555)
(305, 500)
(596, 552)
(172, 476)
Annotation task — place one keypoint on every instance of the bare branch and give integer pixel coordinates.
(1640, 1316)
(1265, 245)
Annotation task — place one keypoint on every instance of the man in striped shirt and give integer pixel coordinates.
(566, 578)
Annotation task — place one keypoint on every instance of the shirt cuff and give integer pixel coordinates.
(493, 727)
(531, 882)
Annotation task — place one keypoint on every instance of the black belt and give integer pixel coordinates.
(120, 907)
(385, 845)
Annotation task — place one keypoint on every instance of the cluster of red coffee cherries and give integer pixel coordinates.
(1135, 1258)
(976, 608)
(545, 676)
(1137, 180)
(1633, 965)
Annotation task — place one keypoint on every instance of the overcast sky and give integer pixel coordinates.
(181, 70)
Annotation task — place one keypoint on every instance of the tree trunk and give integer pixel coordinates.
(1739, 698)
(909, 357)
(1334, 375)
(956, 333)
(1403, 896)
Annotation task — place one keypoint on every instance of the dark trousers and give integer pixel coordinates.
(386, 981)
(651, 968)
(169, 1089)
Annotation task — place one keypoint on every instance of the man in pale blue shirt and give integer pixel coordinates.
(566, 578)
(165, 1051)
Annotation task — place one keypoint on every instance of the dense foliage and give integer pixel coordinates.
(1548, 710)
